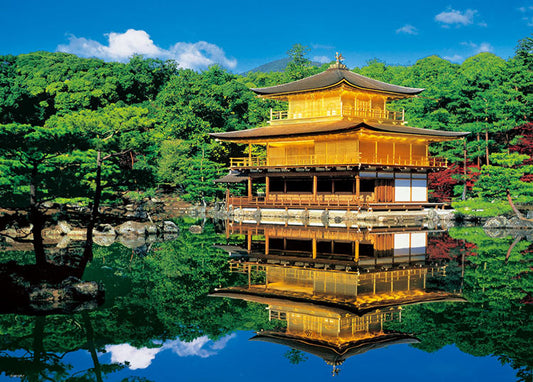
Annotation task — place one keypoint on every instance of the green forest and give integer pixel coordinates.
(75, 129)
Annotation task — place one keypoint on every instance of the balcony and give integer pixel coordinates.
(348, 159)
(395, 117)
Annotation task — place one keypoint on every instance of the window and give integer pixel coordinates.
(367, 185)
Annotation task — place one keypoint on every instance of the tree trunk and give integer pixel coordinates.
(88, 250)
(463, 197)
(37, 220)
(38, 348)
(487, 146)
(91, 347)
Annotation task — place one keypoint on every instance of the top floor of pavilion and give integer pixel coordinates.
(338, 117)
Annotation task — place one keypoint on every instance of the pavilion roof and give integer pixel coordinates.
(333, 77)
(325, 128)
(331, 353)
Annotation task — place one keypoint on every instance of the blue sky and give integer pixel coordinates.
(243, 34)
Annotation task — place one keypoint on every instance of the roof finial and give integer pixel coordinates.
(338, 62)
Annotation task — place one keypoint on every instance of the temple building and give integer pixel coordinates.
(332, 247)
(333, 300)
(335, 143)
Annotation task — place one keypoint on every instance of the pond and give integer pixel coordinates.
(266, 302)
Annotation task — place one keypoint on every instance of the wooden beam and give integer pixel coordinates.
(315, 187)
(249, 188)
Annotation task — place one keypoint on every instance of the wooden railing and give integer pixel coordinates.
(345, 111)
(331, 201)
(338, 159)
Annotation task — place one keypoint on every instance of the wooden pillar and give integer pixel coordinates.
(267, 244)
(356, 255)
(332, 185)
(314, 248)
(249, 154)
(315, 187)
(410, 153)
(249, 188)
(249, 242)
(357, 186)
(267, 187)
(284, 185)
(227, 199)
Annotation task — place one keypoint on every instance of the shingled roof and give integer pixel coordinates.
(323, 128)
(332, 77)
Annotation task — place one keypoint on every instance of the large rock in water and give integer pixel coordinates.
(496, 222)
(131, 228)
(170, 227)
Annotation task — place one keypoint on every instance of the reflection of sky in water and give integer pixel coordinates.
(142, 358)
(234, 358)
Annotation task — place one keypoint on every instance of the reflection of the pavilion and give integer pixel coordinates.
(333, 288)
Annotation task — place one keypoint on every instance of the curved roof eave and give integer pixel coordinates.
(313, 129)
(333, 77)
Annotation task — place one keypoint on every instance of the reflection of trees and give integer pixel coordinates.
(495, 321)
(45, 342)
(160, 296)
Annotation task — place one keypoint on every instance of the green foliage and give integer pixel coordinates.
(482, 208)
(505, 173)
(299, 65)
(485, 94)
(295, 356)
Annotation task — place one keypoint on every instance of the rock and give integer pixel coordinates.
(151, 229)
(64, 242)
(131, 228)
(196, 229)
(132, 242)
(324, 218)
(63, 227)
(105, 229)
(496, 222)
(139, 214)
(170, 227)
(85, 290)
(103, 240)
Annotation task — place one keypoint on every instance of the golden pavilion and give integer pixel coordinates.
(333, 300)
(336, 144)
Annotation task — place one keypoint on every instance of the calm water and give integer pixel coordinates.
(266, 303)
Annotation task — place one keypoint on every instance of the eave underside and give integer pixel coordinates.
(301, 131)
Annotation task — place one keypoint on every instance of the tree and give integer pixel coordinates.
(33, 159)
(299, 65)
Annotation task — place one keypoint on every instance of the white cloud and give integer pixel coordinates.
(452, 16)
(137, 358)
(121, 46)
(322, 59)
(527, 14)
(200, 347)
(525, 9)
(322, 46)
(142, 358)
(408, 29)
(454, 58)
(479, 48)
